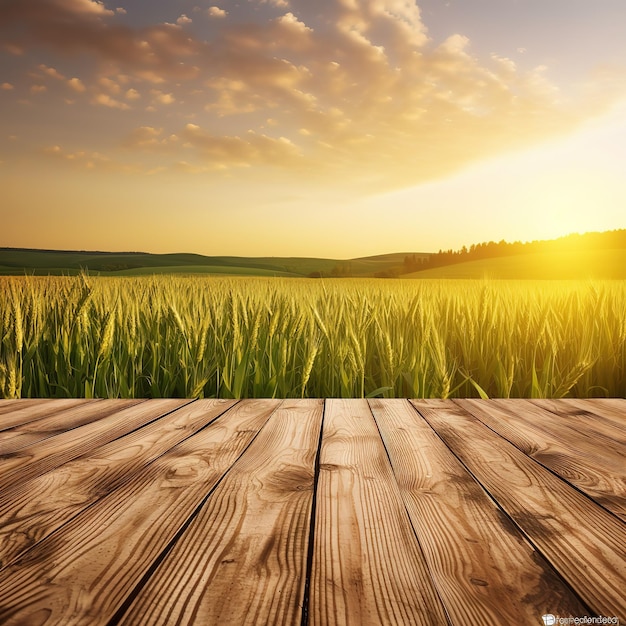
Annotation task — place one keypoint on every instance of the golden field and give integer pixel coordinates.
(164, 336)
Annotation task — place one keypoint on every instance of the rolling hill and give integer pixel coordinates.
(18, 261)
(558, 265)
(587, 256)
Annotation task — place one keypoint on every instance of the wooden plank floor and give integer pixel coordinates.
(424, 512)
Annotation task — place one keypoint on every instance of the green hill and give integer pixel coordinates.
(14, 261)
(594, 255)
(561, 265)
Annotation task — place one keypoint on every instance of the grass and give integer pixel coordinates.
(175, 336)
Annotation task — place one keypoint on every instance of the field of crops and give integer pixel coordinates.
(271, 337)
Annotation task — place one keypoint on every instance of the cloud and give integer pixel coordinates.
(51, 71)
(76, 84)
(35, 89)
(216, 12)
(107, 101)
(89, 160)
(90, 7)
(143, 137)
(110, 85)
(234, 151)
(12, 48)
(291, 21)
(7, 86)
(163, 98)
(347, 90)
(83, 26)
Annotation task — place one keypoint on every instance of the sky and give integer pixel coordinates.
(334, 128)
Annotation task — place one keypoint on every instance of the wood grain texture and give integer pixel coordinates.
(591, 464)
(45, 503)
(367, 567)
(6, 406)
(483, 567)
(243, 559)
(581, 540)
(201, 512)
(26, 411)
(32, 461)
(613, 408)
(83, 573)
(56, 424)
(604, 418)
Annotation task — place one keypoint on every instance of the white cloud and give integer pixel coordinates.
(107, 101)
(291, 21)
(86, 7)
(76, 84)
(358, 82)
(217, 12)
(110, 85)
(51, 71)
(163, 98)
(455, 44)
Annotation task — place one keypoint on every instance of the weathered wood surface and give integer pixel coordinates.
(601, 419)
(53, 452)
(579, 538)
(14, 439)
(468, 542)
(368, 569)
(243, 558)
(588, 459)
(46, 502)
(478, 512)
(18, 412)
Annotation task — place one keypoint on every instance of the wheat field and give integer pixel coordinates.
(177, 336)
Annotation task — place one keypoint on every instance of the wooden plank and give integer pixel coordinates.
(560, 445)
(6, 406)
(83, 573)
(584, 434)
(46, 427)
(243, 559)
(593, 424)
(610, 407)
(367, 565)
(27, 463)
(45, 503)
(605, 417)
(582, 541)
(20, 413)
(469, 544)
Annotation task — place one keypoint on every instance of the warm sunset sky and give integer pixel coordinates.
(335, 128)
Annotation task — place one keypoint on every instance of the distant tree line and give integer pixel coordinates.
(609, 240)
